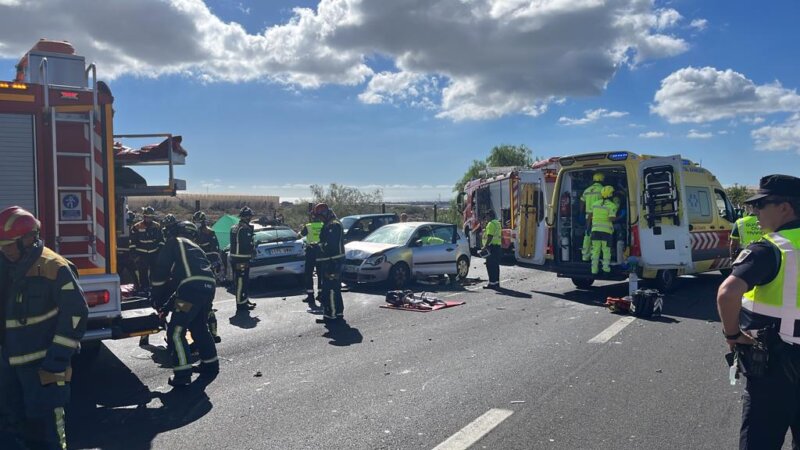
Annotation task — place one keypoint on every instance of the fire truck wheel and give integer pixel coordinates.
(399, 276)
(666, 280)
(583, 283)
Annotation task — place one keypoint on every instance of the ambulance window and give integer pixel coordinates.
(724, 206)
(698, 202)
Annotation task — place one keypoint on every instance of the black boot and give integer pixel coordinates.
(207, 370)
(180, 380)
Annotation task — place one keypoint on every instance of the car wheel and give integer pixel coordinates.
(399, 276)
(462, 268)
(583, 283)
(666, 280)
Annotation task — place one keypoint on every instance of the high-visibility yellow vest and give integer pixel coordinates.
(313, 229)
(431, 240)
(602, 213)
(591, 195)
(780, 298)
(749, 230)
(494, 229)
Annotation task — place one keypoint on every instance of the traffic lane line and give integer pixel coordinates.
(475, 430)
(612, 331)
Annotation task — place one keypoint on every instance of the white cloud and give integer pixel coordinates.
(707, 94)
(699, 24)
(785, 136)
(694, 134)
(722, 132)
(613, 135)
(592, 115)
(652, 135)
(492, 57)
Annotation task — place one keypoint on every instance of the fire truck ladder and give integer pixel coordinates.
(88, 119)
(660, 196)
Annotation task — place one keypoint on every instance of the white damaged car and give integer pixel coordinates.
(401, 252)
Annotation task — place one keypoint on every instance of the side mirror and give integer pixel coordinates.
(417, 243)
(460, 202)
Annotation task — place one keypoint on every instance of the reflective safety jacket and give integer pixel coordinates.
(431, 240)
(591, 195)
(45, 310)
(242, 246)
(494, 230)
(602, 213)
(146, 238)
(311, 231)
(780, 298)
(207, 240)
(181, 263)
(747, 231)
(331, 242)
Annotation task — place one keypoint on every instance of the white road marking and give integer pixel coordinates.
(612, 331)
(477, 429)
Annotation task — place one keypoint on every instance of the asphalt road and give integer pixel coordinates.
(522, 361)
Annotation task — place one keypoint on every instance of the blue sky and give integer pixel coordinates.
(274, 96)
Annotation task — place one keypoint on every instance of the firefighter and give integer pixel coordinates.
(590, 196)
(492, 235)
(147, 238)
(759, 300)
(745, 231)
(44, 317)
(183, 266)
(242, 250)
(311, 231)
(207, 240)
(601, 217)
(331, 258)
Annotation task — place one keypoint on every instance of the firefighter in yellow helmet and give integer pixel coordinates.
(601, 216)
(591, 195)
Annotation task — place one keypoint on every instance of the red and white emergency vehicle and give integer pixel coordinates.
(58, 161)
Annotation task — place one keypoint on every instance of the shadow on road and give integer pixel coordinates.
(512, 293)
(243, 319)
(112, 409)
(341, 334)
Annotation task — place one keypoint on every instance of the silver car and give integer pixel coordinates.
(400, 252)
(279, 251)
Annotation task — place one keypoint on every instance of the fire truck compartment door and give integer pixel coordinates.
(532, 232)
(18, 170)
(663, 218)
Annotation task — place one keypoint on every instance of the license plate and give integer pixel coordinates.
(280, 251)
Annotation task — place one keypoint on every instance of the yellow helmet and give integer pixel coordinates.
(607, 191)
(599, 177)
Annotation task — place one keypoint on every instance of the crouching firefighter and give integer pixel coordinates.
(44, 316)
(331, 259)
(184, 265)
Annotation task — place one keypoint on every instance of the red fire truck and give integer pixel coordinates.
(58, 161)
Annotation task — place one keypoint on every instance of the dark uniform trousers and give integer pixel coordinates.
(771, 404)
(241, 278)
(143, 262)
(331, 298)
(191, 312)
(493, 263)
(311, 263)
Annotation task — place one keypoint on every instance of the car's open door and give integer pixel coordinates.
(663, 217)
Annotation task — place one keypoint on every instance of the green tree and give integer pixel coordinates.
(738, 194)
(346, 200)
(510, 155)
(474, 171)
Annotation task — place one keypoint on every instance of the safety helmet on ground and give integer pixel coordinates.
(246, 212)
(199, 216)
(607, 191)
(148, 212)
(186, 229)
(16, 223)
(599, 177)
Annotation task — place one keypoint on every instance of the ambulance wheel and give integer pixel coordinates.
(666, 280)
(399, 276)
(583, 283)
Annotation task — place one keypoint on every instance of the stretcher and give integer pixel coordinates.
(424, 307)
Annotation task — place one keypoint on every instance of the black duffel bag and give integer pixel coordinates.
(646, 303)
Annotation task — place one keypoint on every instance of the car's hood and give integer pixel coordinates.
(363, 250)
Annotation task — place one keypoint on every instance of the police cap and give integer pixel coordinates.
(780, 185)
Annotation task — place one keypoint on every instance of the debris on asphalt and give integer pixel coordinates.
(257, 374)
(659, 371)
(514, 402)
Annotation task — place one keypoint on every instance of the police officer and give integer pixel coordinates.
(207, 240)
(331, 258)
(184, 266)
(44, 316)
(601, 217)
(242, 250)
(492, 235)
(590, 195)
(147, 238)
(744, 232)
(311, 231)
(760, 299)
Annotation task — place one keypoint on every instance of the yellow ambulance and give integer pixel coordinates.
(674, 218)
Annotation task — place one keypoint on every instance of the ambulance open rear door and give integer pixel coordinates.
(531, 233)
(663, 219)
